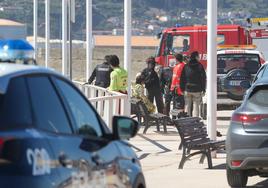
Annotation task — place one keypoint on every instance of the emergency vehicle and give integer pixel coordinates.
(236, 68)
(194, 38)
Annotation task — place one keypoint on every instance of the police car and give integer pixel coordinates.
(236, 68)
(52, 137)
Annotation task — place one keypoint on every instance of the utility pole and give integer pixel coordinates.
(64, 37)
(89, 38)
(212, 69)
(127, 48)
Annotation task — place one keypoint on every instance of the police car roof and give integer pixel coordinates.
(9, 71)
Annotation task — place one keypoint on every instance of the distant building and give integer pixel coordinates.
(12, 30)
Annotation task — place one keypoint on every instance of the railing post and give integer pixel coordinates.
(47, 32)
(35, 26)
(110, 114)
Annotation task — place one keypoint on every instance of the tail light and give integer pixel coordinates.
(236, 163)
(2, 141)
(246, 118)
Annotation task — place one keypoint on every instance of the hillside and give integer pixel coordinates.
(149, 16)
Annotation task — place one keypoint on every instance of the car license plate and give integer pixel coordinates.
(235, 83)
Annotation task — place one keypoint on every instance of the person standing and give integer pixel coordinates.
(165, 77)
(193, 84)
(152, 84)
(175, 88)
(101, 73)
(118, 76)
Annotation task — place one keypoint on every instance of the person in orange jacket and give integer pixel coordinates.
(178, 97)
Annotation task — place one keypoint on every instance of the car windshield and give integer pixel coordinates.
(249, 62)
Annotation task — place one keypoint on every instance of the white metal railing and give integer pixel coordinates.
(107, 103)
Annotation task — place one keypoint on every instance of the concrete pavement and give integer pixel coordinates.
(159, 156)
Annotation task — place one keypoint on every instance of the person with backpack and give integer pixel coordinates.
(193, 84)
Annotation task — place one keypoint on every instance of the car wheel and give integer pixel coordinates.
(139, 182)
(236, 82)
(236, 178)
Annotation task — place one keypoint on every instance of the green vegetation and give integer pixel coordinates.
(108, 14)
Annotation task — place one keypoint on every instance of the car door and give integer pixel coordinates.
(72, 163)
(105, 154)
(24, 152)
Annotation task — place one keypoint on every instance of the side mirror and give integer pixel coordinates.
(158, 36)
(124, 128)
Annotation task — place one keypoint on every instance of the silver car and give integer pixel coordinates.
(247, 138)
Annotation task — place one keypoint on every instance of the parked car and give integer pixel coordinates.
(237, 67)
(16, 51)
(262, 72)
(52, 137)
(247, 137)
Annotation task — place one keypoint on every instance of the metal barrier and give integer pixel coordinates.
(107, 103)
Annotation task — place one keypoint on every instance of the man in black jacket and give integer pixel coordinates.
(101, 73)
(152, 84)
(193, 84)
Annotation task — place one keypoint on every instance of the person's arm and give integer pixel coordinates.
(113, 83)
(161, 80)
(183, 80)
(93, 76)
(204, 79)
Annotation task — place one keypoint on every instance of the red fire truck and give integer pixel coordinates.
(194, 38)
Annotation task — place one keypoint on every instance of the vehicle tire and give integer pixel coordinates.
(236, 178)
(236, 92)
(234, 97)
(139, 182)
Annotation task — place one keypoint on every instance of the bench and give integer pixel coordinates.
(194, 136)
(150, 119)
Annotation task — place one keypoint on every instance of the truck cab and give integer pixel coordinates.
(187, 39)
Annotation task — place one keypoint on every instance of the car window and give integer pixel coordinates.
(49, 112)
(259, 96)
(14, 105)
(265, 72)
(86, 120)
(259, 74)
(181, 43)
(227, 62)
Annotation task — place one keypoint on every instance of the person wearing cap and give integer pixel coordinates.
(175, 88)
(193, 84)
(152, 84)
(101, 73)
(118, 76)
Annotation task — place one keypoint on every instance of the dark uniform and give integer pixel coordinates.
(165, 77)
(102, 75)
(152, 85)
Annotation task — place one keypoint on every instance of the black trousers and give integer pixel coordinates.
(156, 94)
